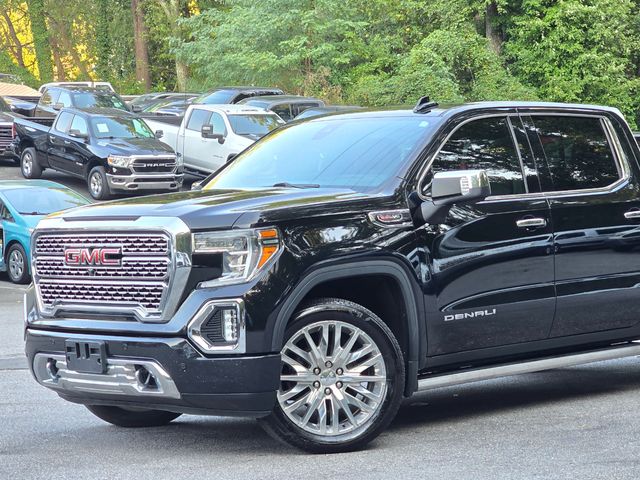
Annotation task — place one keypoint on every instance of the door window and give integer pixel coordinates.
(218, 124)
(485, 144)
(63, 122)
(283, 111)
(64, 99)
(301, 107)
(49, 97)
(79, 124)
(577, 151)
(197, 119)
(5, 214)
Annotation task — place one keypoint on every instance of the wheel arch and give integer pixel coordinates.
(415, 329)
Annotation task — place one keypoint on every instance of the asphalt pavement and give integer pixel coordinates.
(573, 423)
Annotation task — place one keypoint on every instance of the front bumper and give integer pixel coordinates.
(134, 182)
(185, 380)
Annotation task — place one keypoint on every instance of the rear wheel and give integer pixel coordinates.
(17, 264)
(98, 185)
(29, 165)
(132, 418)
(342, 379)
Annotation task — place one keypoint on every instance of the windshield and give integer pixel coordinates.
(254, 124)
(101, 100)
(357, 153)
(43, 201)
(218, 96)
(116, 127)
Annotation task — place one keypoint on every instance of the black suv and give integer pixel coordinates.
(56, 98)
(341, 264)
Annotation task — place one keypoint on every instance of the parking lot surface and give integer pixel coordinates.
(577, 422)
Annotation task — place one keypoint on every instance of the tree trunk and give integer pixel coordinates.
(17, 45)
(40, 39)
(182, 73)
(61, 75)
(65, 42)
(103, 42)
(143, 74)
(492, 31)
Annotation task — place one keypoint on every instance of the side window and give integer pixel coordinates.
(218, 124)
(63, 122)
(485, 144)
(283, 111)
(5, 215)
(64, 99)
(197, 119)
(49, 97)
(301, 107)
(79, 124)
(577, 151)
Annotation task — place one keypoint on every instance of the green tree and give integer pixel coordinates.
(40, 39)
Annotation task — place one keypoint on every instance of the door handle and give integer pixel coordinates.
(632, 215)
(52, 139)
(67, 142)
(531, 223)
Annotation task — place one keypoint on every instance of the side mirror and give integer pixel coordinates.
(159, 134)
(78, 134)
(207, 132)
(136, 108)
(457, 187)
(58, 106)
(197, 185)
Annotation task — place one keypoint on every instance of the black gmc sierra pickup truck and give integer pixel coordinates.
(343, 263)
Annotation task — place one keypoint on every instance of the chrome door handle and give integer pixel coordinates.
(531, 223)
(67, 142)
(632, 214)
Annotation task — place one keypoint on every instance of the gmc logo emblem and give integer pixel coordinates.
(102, 257)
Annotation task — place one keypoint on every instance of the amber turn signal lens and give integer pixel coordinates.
(269, 242)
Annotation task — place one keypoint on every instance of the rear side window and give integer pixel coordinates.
(63, 122)
(577, 151)
(49, 97)
(283, 111)
(197, 119)
(485, 144)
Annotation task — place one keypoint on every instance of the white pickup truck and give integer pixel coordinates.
(209, 135)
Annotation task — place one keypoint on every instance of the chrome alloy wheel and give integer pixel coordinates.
(16, 264)
(27, 164)
(333, 379)
(95, 184)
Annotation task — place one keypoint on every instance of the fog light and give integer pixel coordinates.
(230, 325)
(219, 326)
(52, 369)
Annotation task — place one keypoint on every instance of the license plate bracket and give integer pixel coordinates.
(86, 356)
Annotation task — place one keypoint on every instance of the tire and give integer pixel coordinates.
(17, 267)
(29, 164)
(122, 417)
(329, 388)
(97, 184)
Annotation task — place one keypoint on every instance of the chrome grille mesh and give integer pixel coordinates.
(139, 282)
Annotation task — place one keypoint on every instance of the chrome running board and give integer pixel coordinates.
(504, 370)
(123, 377)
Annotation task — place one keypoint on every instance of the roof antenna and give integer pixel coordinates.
(424, 105)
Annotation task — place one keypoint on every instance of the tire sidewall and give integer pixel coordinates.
(394, 363)
(104, 193)
(35, 170)
(25, 267)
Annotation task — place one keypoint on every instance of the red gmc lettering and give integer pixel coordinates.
(97, 256)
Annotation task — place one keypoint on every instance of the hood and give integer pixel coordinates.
(221, 209)
(135, 146)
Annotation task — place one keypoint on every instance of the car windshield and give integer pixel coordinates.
(101, 100)
(357, 153)
(116, 127)
(218, 96)
(42, 200)
(254, 124)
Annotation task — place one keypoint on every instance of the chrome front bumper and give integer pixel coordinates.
(135, 182)
(130, 377)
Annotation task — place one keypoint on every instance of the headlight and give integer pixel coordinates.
(119, 161)
(243, 252)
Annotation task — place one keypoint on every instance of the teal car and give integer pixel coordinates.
(22, 204)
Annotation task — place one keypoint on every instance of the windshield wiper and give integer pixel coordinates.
(296, 185)
(33, 213)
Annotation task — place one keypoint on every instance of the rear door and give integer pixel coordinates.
(56, 148)
(490, 264)
(592, 182)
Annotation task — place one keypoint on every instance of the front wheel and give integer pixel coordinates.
(342, 379)
(132, 418)
(17, 264)
(98, 185)
(29, 164)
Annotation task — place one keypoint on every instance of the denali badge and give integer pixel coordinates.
(103, 257)
(462, 316)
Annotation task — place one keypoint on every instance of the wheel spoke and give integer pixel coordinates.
(366, 364)
(344, 406)
(365, 392)
(344, 351)
(362, 378)
(293, 392)
(315, 352)
(358, 354)
(301, 353)
(315, 400)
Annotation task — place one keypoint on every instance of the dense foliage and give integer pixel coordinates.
(377, 52)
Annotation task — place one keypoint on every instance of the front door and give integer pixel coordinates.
(489, 280)
(76, 154)
(595, 210)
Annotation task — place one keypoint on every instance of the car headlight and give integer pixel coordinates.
(119, 161)
(243, 253)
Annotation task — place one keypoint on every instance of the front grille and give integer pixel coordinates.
(139, 280)
(154, 165)
(6, 135)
